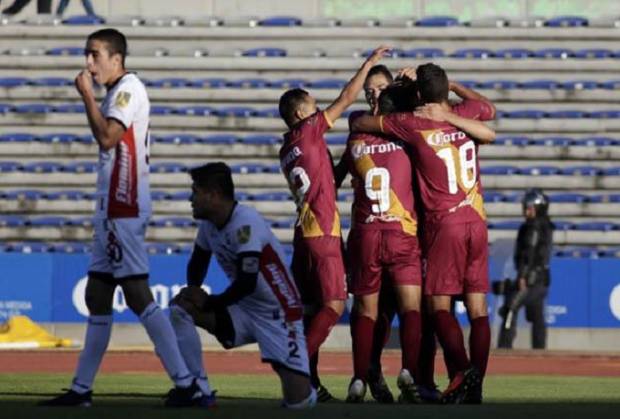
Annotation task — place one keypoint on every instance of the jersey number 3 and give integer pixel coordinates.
(466, 162)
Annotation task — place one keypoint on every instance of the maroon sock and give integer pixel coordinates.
(380, 337)
(450, 337)
(319, 329)
(428, 350)
(410, 336)
(362, 345)
(480, 343)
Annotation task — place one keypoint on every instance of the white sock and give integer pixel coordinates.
(96, 342)
(162, 335)
(306, 403)
(190, 345)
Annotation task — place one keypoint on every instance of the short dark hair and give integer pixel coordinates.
(400, 96)
(432, 83)
(380, 69)
(290, 102)
(214, 176)
(116, 43)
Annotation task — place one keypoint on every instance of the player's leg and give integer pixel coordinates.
(535, 313)
(507, 331)
(426, 360)
(296, 389)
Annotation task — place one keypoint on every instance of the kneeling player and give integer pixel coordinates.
(261, 304)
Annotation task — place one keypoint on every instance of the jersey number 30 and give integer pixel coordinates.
(467, 164)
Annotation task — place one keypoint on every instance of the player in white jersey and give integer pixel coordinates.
(261, 304)
(119, 256)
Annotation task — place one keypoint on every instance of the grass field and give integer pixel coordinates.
(135, 396)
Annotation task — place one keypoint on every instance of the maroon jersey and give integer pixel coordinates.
(307, 165)
(383, 194)
(446, 162)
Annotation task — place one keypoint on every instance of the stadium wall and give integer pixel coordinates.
(465, 10)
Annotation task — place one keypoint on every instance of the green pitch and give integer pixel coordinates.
(134, 396)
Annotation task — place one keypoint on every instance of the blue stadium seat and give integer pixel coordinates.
(336, 139)
(261, 139)
(242, 196)
(328, 83)
(472, 53)
(592, 53)
(499, 170)
(211, 82)
(505, 225)
(563, 225)
(524, 114)
(236, 111)
(196, 110)
(424, 53)
(580, 84)
(168, 167)
(5, 107)
(271, 196)
(513, 197)
(162, 248)
(280, 21)
(51, 221)
(33, 108)
(70, 108)
(162, 110)
(493, 196)
(568, 198)
(555, 53)
(52, 82)
(83, 20)
(81, 167)
(597, 226)
(513, 53)
(613, 252)
(566, 21)
(9, 82)
(159, 195)
(70, 247)
(539, 170)
(290, 83)
(393, 53)
(17, 137)
(613, 171)
(552, 141)
(512, 141)
(498, 84)
(24, 194)
(581, 170)
(180, 196)
(69, 195)
(9, 166)
(567, 114)
(29, 247)
(227, 139)
(290, 223)
(69, 51)
(437, 21)
(610, 84)
(345, 196)
(169, 82)
(12, 221)
(58, 138)
(613, 197)
(178, 139)
(264, 52)
(42, 167)
(539, 84)
(173, 222)
(595, 141)
(254, 168)
(576, 252)
(608, 114)
(268, 113)
(249, 83)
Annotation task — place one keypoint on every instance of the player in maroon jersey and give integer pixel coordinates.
(306, 163)
(447, 173)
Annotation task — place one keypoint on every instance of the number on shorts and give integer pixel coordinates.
(382, 195)
(298, 176)
(467, 163)
(293, 349)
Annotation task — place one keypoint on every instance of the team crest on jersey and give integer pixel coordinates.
(122, 99)
(244, 234)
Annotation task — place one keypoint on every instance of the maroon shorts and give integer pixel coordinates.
(457, 258)
(373, 252)
(318, 269)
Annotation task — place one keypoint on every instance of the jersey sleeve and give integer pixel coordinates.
(400, 125)
(474, 109)
(201, 237)
(124, 105)
(248, 238)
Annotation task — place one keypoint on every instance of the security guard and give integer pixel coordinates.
(531, 258)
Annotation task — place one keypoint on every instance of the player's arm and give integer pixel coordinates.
(367, 123)
(340, 171)
(245, 283)
(474, 128)
(197, 266)
(466, 93)
(107, 131)
(349, 93)
(527, 254)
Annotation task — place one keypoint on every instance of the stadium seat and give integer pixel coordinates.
(235, 111)
(161, 248)
(162, 110)
(613, 171)
(345, 196)
(12, 221)
(596, 226)
(250, 83)
(336, 139)
(33, 108)
(72, 247)
(595, 141)
(539, 170)
(169, 82)
(581, 170)
(42, 167)
(52, 221)
(66, 51)
(610, 84)
(505, 225)
(539, 84)
(567, 197)
(580, 84)
(498, 84)
(173, 222)
(493, 196)
(9, 166)
(594, 53)
(27, 51)
(5, 107)
(556, 53)
(81, 167)
(567, 114)
(197, 110)
(84, 20)
(271, 196)
(264, 52)
(69, 194)
(513, 53)
(552, 141)
(168, 167)
(23, 194)
(163, 21)
(523, 114)
(472, 53)
(210, 82)
(290, 83)
(261, 139)
(52, 82)
(280, 21)
(124, 20)
(180, 196)
(10, 82)
(328, 84)
(29, 247)
(608, 114)
(437, 21)
(499, 170)
(290, 223)
(226, 139)
(58, 138)
(178, 139)
(17, 137)
(566, 21)
(392, 53)
(424, 53)
(268, 113)
(70, 108)
(254, 168)
(160, 195)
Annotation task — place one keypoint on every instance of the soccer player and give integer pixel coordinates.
(123, 207)
(447, 172)
(306, 163)
(262, 303)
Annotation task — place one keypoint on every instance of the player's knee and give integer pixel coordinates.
(336, 305)
(97, 305)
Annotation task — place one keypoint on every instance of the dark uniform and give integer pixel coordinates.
(531, 258)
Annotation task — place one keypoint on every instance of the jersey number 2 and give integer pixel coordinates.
(467, 163)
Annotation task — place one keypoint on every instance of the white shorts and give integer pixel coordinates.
(118, 248)
(280, 343)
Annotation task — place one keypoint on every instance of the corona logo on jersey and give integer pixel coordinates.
(361, 149)
(440, 138)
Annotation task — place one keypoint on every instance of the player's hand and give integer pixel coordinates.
(522, 284)
(432, 111)
(192, 299)
(84, 83)
(378, 53)
(406, 73)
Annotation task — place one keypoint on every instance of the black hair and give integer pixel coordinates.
(432, 83)
(214, 176)
(380, 69)
(290, 102)
(400, 96)
(116, 43)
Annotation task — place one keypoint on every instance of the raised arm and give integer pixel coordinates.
(467, 93)
(349, 93)
(474, 128)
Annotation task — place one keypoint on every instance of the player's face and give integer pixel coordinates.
(202, 202)
(530, 212)
(101, 65)
(308, 108)
(373, 86)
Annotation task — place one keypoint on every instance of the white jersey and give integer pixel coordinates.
(123, 171)
(247, 231)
